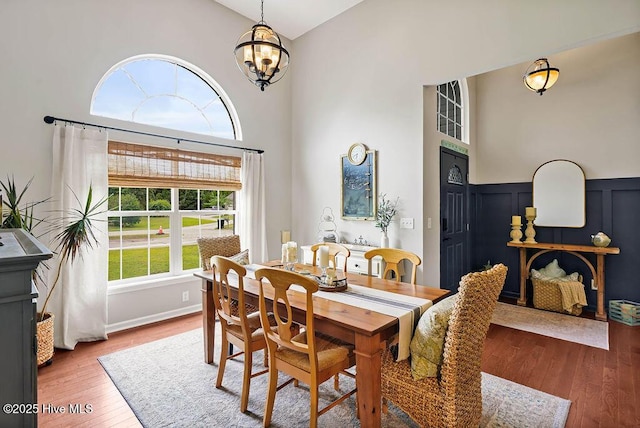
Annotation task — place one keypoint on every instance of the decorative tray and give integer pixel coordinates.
(338, 284)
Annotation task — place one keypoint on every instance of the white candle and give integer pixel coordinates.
(516, 220)
(284, 253)
(324, 256)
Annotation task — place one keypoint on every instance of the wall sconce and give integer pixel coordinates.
(540, 76)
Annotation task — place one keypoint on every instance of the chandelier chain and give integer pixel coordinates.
(262, 11)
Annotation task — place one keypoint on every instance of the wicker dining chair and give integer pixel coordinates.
(310, 357)
(334, 250)
(455, 398)
(226, 246)
(392, 258)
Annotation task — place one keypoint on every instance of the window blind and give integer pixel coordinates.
(135, 165)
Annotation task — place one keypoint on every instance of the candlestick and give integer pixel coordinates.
(516, 233)
(530, 232)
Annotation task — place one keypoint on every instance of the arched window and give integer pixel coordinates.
(451, 112)
(166, 92)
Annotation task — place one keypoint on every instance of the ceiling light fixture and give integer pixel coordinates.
(260, 54)
(540, 76)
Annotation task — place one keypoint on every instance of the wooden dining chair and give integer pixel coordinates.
(309, 357)
(226, 246)
(334, 250)
(392, 257)
(239, 327)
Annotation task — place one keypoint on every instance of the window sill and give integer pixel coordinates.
(150, 283)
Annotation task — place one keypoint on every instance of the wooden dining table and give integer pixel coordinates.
(367, 330)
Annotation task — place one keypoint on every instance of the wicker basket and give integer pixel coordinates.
(547, 296)
(44, 333)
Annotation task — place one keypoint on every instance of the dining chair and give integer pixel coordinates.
(334, 250)
(241, 329)
(310, 357)
(226, 246)
(392, 257)
(453, 398)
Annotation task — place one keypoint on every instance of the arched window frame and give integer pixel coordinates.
(233, 114)
(462, 119)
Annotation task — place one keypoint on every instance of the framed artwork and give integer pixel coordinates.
(358, 192)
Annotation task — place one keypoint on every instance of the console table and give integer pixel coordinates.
(543, 248)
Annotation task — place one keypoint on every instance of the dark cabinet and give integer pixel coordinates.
(20, 255)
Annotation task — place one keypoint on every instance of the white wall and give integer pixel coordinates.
(590, 116)
(54, 53)
(359, 77)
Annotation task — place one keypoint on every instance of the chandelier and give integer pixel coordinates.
(540, 76)
(260, 54)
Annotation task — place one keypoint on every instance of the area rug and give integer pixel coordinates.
(167, 384)
(566, 327)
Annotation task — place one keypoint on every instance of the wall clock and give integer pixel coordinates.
(357, 153)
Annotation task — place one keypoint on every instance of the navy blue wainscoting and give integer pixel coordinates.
(612, 206)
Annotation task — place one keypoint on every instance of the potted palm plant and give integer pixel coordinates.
(71, 235)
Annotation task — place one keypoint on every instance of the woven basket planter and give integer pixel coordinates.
(44, 333)
(547, 296)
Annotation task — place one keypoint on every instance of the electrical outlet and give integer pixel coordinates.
(429, 223)
(406, 223)
(593, 285)
(185, 296)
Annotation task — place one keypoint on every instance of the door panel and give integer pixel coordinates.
(454, 213)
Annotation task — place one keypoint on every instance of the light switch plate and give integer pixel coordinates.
(406, 223)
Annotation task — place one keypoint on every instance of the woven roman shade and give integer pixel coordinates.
(134, 165)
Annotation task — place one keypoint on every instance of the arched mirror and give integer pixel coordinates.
(559, 194)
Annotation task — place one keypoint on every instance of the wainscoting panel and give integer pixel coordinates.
(612, 206)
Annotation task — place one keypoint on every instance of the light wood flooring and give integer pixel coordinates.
(604, 386)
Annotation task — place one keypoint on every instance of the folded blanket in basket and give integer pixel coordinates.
(572, 294)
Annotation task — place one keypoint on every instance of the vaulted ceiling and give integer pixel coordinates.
(291, 18)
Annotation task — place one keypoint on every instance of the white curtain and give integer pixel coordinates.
(79, 300)
(252, 207)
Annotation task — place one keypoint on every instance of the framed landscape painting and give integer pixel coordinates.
(358, 193)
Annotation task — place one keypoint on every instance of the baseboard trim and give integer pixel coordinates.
(137, 322)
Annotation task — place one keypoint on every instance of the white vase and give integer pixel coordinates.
(384, 240)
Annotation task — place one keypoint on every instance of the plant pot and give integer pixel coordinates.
(44, 334)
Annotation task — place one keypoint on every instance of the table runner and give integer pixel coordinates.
(407, 309)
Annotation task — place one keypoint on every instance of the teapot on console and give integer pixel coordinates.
(600, 240)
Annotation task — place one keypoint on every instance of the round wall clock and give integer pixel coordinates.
(357, 153)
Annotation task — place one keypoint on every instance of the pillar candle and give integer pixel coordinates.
(324, 255)
(285, 236)
(284, 253)
(530, 211)
(292, 251)
(516, 220)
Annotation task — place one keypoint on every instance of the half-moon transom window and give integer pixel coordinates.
(455, 176)
(165, 92)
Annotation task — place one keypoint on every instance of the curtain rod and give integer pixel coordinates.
(51, 119)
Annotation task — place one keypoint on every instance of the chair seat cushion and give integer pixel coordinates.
(427, 344)
(330, 351)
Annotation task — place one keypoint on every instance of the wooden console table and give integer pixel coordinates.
(543, 248)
